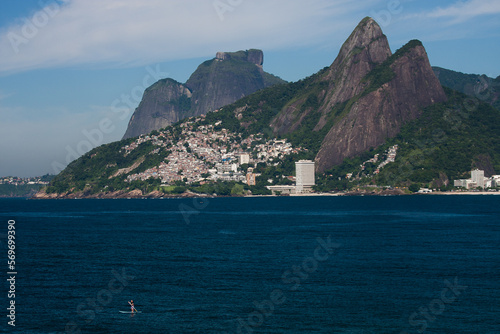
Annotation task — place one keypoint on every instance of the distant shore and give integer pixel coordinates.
(155, 194)
(463, 193)
(400, 194)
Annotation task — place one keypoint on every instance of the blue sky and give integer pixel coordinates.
(73, 71)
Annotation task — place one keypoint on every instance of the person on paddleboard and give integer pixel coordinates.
(132, 307)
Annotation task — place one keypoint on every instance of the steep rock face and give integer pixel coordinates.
(379, 112)
(215, 83)
(365, 48)
(481, 86)
(163, 103)
(227, 78)
(362, 51)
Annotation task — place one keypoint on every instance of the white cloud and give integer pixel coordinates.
(136, 32)
(465, 10)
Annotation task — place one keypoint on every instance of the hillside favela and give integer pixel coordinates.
(250, 167)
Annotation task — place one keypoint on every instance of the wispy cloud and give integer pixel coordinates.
(136, 32)
(465, 10)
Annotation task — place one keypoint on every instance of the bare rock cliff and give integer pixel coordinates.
(365, 48)
(215, 83)
(363, 98)
(379, 112)
(162, 104)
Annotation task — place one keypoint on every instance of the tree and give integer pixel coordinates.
(237, 190)
(414, 188)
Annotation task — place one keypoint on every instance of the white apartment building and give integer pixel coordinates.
(477, 177)
(305, 177)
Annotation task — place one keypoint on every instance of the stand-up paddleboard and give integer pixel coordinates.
(130, 312)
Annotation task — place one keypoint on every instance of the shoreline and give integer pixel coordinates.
(137, 194)
(462, 193)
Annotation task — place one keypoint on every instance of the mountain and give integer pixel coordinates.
(358, 102)
(215, 83)
(367, 102)
(444, 144)
(481, 86)
(384, 98)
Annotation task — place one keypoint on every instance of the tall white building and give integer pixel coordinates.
(304, 171)
(477, 177)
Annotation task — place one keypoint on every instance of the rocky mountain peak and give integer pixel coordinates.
(369, 35)
(393, 94)
(215, 83)
(253, 56)
(365, 48)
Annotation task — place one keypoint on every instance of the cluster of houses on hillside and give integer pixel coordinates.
(390, 156)
(205, 152)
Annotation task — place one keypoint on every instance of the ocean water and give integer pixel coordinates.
(412, 264)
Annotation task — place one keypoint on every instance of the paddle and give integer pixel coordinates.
(133, 307)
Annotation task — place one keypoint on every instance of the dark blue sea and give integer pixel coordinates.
(409, 264)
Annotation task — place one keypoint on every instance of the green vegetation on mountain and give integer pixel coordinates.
(383, 73)
(480, 86)
(444, 144)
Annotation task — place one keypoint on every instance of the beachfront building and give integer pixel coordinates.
(305, 177)
(477, 177)
(282, 190)
(478, 180)
(495, 180)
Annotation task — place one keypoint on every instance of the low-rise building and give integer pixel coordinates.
(282, 189)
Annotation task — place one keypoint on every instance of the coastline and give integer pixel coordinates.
(137, 194)
(463, 193)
